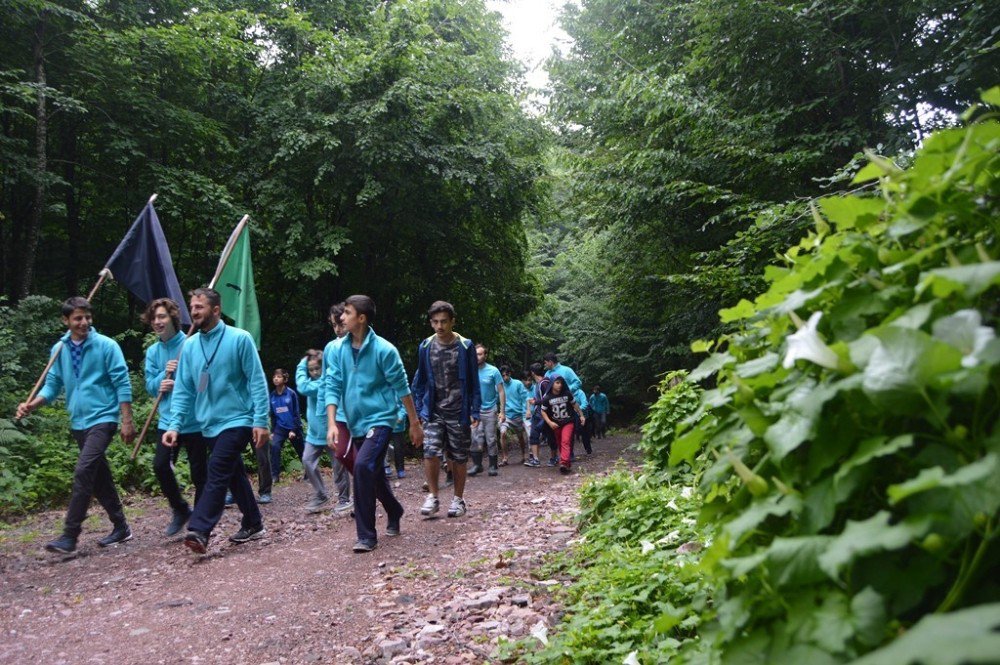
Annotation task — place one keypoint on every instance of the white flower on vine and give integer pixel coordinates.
(964, 331)
(805, 344)
(631, 659)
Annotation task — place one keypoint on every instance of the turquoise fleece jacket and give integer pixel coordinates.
(103, 384)
(156, 370)
(328, 352)
(366, 388)
(517, 399)
(236, 395)
(572, 380)
(313, 389)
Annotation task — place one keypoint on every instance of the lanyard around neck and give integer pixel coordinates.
(208, 360)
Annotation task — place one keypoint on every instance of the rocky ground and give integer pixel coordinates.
(445, 591)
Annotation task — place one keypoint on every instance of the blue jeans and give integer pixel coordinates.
(226, 471)
(278, 438)
(370, 483)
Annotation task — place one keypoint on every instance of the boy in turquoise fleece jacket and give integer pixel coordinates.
(92, 370)
(365, 377)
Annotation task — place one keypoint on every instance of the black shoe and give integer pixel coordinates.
(119, 535)
(245, 534)
(475, 470)
(393, 528)
(493, 466)
(364, 546)
(564, 470)
(63, 545)
(196, 541)
(177, 523)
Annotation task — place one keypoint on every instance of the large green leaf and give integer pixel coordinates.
(969, 280)
(903, 364)
(962, 637)
(787, 561)
(876, 534)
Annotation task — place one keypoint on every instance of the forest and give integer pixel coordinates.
(705, 177)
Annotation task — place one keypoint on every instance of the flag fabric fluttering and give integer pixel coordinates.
(142, 263)
(236, 286)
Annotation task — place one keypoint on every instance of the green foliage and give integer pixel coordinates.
(855, 485)
(635, 570)
(678, 400)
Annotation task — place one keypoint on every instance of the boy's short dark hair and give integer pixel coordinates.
(211, 295)
(362, 305)
(526, 375)
(74, 303)
(482, 346)
(314, 354)
(282, 372)
(505, 369)
(173, 311)
(439, 306)
(537, 369)
(597, 386)
(551, 357)
(336, 309)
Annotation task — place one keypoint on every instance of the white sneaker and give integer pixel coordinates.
(431, 505)
(457, 508)
(343, 508)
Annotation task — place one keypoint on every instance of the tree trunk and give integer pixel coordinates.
(73, 196)
(30, 248)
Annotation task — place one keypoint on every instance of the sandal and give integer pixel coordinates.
(503, 462)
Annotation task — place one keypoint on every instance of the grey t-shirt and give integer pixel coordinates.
(447, 389)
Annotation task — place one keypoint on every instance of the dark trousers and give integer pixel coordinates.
(398, 453)
(278, 438)
(92, 478)
(264, 478)
(370, 483)
(164, 459)
(585, 432)
(226, 471)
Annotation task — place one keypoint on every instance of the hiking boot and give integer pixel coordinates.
(343, 508)
(63, 545)
(364, 546)
(475, 469)
(264, 498)
(431, 505)
(316, 505)
(177, 523)
(564, 469)
(196, 541)
(493, 466)
(393, 528)
(457, 508)
(118, 535)
(245, 534)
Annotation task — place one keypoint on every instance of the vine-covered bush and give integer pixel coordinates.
(855, 482)
(678, 399)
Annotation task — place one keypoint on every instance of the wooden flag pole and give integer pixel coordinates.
(226, 253)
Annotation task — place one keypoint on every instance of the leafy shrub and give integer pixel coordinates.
(678, 400)
(855, 482)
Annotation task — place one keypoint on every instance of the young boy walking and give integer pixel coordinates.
(91, 369)
(163, 316)
(447, 398)
(309, 379)
(557, 410)
(286, 421)
(365, 375)
(491, 414)
(513, 425)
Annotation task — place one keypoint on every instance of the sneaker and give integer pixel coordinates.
(343, 508)
(63, 545)
(564, 470)
(529, 461)
(364, 546)
(264, 498)
(245, 534)
(230, 501)
(388, 472)
(533, 463)
(457, 508)
(119, 535)
(316, 505)
(553, 461)
(196, 541)
(401, 474)
(177, 523)
(431, 505)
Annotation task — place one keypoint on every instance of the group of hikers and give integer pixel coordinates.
(214, 400)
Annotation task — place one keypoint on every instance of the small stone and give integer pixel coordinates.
(521, 600)
(392, 647)
(138, 631)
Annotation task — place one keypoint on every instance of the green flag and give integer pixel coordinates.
(235, 284)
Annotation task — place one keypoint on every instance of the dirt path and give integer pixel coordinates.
(445, 591)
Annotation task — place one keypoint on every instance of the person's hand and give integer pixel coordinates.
(23, 409)
(583, 420)
(475, 423)
(554, 426)
(166, 385)
(502, 417)
(261, 437)
(171, 366)
(291, 436)
(331, 438)
(417, 435)
(170, 438)
(128, 430)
